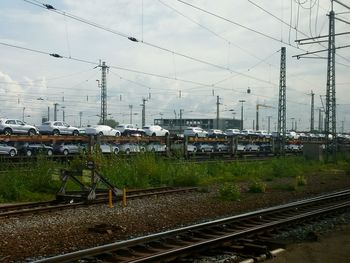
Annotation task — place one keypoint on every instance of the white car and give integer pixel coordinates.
(195, 132)
(247, 132)
(155, 130)
(156, 147)
(129, 130)
(57, 128)
(109, 148)
(128, 148)
(232, 132)
(262, 133)
(13, 126)
(102, 130)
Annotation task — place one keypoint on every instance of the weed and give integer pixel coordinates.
(301, 180)
(257, 186)
(230, 192)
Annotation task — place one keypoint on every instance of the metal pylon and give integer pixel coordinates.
(330, 122)
(104, 93)
(281, 128)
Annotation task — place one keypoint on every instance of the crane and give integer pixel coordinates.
(258, 105)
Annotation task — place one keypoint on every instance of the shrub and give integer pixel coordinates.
(230, 192)
(300, 180)
(257, 186)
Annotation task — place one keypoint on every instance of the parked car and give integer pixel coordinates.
(109, 148)
(13, 126)
(129, 130)
(240, 148)
(232, 132)
(213, 133)
(293, 148)
(265, 148)
(102, 130)
(263, 134)
(57, 128)
(7, 150)
(155, 130)
(179, 147)
(251, 147)
(195, 132)
(204, 147)
(221, 147)
(69, 148)
(156, 147)
(30, 149)
(128, 148)
(247, 132)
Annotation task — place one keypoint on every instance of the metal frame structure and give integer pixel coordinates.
(281, 128)
(331, 123)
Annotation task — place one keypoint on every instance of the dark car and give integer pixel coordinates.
(30, 149)
(69, 148)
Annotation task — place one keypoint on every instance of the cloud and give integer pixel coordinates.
(250, 58)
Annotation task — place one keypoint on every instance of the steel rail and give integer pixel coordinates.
(41, 207)
(185, 240)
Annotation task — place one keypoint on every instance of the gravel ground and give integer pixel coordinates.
(29, 237)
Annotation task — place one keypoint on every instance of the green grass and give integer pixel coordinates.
(35, 182)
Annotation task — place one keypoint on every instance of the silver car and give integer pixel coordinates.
(69, 148)
(156, 147)
(57, 128)
(13, 126)
(7, 150)
(109, 148)
(128, 148)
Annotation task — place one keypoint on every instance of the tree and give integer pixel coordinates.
(110, 122)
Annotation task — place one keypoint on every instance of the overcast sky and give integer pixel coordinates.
(184, 58)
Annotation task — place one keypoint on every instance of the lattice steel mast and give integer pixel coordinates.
(281, 128)
(330, 123)
(103, 115)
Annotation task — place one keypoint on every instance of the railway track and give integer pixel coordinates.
(102, 197)
(250, 232)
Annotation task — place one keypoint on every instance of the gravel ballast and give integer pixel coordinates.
(29, 237)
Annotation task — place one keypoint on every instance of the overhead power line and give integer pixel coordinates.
(131, 38)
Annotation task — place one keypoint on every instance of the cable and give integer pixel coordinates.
(53, 9)
(237, 24)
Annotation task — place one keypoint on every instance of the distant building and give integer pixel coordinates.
(177, 125)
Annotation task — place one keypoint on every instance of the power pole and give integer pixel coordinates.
(268, 123)
(63, 114)
(281, 124)
(55, 111)
(143, 111)
(217, 111)
(130, 107)
(330, 124)
(242, 101)
(48, 113)
(80, 117)
(312, 128)
(330, 109)
(320, 120)
(181, 110)
(103, 87)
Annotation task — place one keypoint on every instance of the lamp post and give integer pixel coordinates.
(242, 101)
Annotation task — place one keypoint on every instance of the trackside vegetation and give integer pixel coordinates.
(39, 181)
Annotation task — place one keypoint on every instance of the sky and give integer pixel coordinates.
(188, 52)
